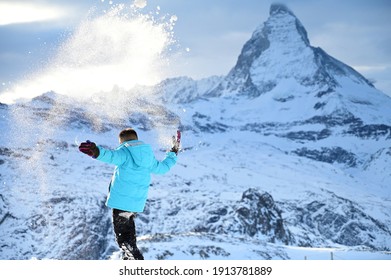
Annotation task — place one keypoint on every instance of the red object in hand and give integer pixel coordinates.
(178, 137)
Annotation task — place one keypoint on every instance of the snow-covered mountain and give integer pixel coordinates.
(287, 153)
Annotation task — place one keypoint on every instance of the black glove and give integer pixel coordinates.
(174, 150)
(89, 148)
(176, 143)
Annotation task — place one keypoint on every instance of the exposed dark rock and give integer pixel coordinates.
(329, 155)
(308, 135)
(338, 118)
(258, 213)
(206, 251)
(75, 230)
(204, 124)
(255, 214)
(319, 105)
(338, 220)
(374, 131)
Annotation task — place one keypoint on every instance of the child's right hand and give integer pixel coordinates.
(89, 148)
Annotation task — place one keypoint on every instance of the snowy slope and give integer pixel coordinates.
(286, 157)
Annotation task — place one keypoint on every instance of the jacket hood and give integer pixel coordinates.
(141, 153)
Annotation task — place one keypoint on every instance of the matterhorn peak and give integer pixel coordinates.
(274, 48)
(279, 8)
(279, 52)
(281, 13)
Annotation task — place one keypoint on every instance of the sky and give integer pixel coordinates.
(209, 33)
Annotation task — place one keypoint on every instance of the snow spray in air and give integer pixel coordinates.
(121, 47)
(98, 66)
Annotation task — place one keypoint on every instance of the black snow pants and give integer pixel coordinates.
(125, 234)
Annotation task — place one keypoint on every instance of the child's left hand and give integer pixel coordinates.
(176, 143)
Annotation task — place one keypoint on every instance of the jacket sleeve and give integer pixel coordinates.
(116, 157)
(161, 167)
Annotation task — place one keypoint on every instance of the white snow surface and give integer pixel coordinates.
(54, 194)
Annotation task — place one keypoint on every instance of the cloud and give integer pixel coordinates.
(140, 3)
(24, 12)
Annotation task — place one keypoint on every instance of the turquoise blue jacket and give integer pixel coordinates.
(134, 162)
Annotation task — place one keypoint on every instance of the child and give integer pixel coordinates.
(129, 185)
